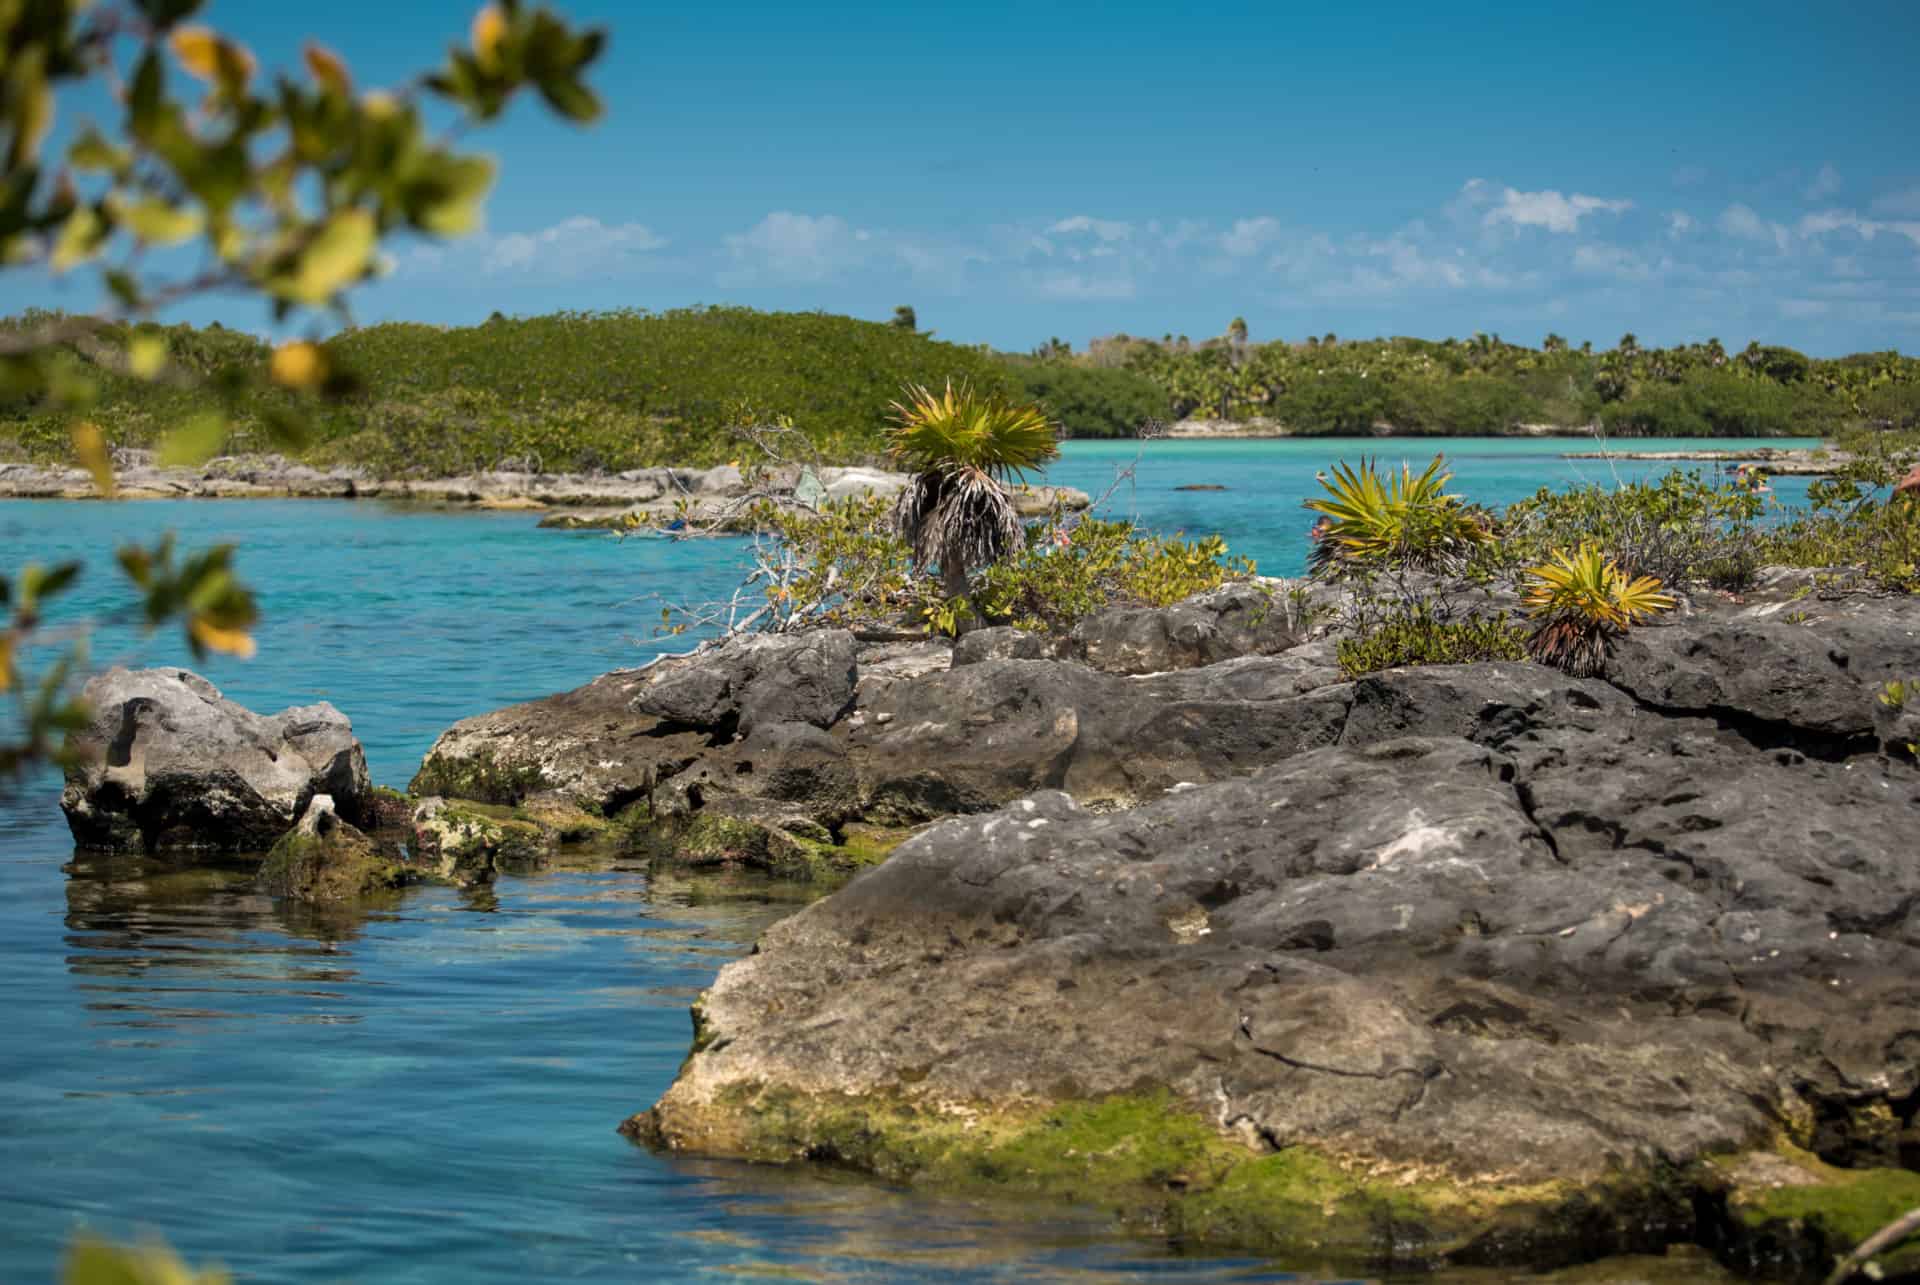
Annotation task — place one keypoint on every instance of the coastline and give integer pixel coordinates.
(636, 497)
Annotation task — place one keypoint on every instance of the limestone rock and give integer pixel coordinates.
(167, 762)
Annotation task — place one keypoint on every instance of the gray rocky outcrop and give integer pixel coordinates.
(167, 762)
(1461, 963)
(1253, 618)
(615, 741)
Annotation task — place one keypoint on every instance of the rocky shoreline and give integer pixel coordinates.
(636, 498)
(1775, 460)
(1454, 965)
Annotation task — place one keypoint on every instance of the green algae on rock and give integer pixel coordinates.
(324, 859)
(1159, 1167)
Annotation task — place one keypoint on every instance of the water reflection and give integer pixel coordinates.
(424, 1088)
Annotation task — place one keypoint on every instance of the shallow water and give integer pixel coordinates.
(426, 1091)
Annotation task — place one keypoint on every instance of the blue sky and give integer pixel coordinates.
(1018, 171)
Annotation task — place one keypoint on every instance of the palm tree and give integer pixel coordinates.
(962, 449)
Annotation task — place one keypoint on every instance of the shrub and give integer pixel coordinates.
(1092, 401)
(1720, 403)
(1396, 521)
(1420, 635)
(1680, 529)
(847, 567)
(1068, 572)
(1874, 544)
(1580, 603)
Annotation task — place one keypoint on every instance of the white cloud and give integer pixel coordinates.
(1611, 261)
(1679, 223)
(571, 247)
(1550, 210)
(1105, 229)
(1247, 236)
(795, 247)
(1825, 183)
(1827, 221)
(1803, 308)
(1905, 202)
(1741, 221)
(1080, 286)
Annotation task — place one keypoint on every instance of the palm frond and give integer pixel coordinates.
(959, 428)
(1372, 518)
(1580, 603)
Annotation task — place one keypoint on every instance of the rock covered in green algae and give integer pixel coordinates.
(470, 842)
(324, 859)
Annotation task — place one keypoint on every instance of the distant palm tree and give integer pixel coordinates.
(963, 448)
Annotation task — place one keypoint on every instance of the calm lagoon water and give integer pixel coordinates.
(426, 1091)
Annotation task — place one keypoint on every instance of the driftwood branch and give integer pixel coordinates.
(1887, 1237)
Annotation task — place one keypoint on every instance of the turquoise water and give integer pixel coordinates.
(427, 1091)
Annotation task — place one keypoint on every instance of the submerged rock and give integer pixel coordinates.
(324, 859)
(167, 762)
(469, 843)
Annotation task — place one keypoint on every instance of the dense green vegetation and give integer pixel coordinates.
(570, 391)
(1484, 385)
(610, 391)
(1562, 575)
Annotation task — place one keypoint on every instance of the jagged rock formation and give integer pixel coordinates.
(167, 762)
(1452, 964)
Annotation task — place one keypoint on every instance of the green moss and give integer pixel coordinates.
(477, 776)
(1791, 1198)
(343, 867)
(1159, 1166)
(566, 820)
(711, 839)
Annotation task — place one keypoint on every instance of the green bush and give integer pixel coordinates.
(1417, 633)
(1068, 572)
(1092, 401)
(1680, 529)
(848, 567)
(1872, 545)
(1720, 403)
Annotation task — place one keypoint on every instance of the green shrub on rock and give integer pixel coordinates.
(1418, 635)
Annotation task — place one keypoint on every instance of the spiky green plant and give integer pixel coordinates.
(963, 448)
(1580, 603)
(1377, 520)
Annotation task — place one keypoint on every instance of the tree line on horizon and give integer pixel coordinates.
(576, 391)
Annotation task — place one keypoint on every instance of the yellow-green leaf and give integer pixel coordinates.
(94, 1262)
(92, 152)
(162, 223)
(146, 355)
(90, 448)
(464, 185)
(327, 68)
(214, 637)
(81, 237)
(336, 257)
(198, 49)
(489, 29)
(194, 442)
